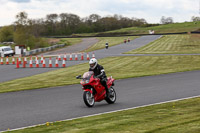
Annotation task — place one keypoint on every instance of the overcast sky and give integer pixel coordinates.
(151, 10)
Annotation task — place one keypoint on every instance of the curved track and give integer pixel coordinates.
(26, 108)
(8, 72)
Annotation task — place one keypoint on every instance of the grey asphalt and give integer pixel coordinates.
(86, 43)
(8, 72)
(26, 108)
(33, 107)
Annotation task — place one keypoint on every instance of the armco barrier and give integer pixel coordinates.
(39, 50)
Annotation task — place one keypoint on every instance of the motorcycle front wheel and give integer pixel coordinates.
(112, 96)
(88, 99)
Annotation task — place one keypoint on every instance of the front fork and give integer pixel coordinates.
(90, 90)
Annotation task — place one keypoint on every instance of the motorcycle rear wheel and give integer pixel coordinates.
(88, 99)
(112, 97)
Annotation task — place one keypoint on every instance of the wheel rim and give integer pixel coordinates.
(112, 94)
(90, 98)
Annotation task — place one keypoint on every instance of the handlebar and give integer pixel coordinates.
(78, 77)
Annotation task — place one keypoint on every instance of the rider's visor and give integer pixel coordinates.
(91, 65)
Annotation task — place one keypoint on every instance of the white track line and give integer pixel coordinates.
(104, 113)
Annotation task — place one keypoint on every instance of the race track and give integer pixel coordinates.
(26, 108)
(33, 107)
(8, 72)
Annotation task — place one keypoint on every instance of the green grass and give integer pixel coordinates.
(85, 34)
(174, 117)
(168, 28)
(118, 67)
(171, 44)
(111, 41)
(70, 41)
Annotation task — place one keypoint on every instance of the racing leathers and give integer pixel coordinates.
(100, 73)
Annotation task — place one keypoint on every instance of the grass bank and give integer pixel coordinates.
(118, 67)
(171, 44)
(175, 117)
(161, 29)
(167, 28)
(111, 41)
(70, 41)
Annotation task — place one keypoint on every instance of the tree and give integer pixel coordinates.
(67, 23)
(94, 17)
(162, 20)
(167, 20)
(21, 28)
(22, 19)
(6, 34)
(24, 33)
(73, 21)
(195, 19)
(118, 17)
(51, 22)
(64, 23)
(108, 23)
(37, 27)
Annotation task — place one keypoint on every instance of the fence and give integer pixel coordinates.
(39, 50)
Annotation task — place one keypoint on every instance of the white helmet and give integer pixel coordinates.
(93, 63)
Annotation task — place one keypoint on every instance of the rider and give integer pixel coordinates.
(99, 73)
(106, 45)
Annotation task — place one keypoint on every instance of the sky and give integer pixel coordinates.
(150, 10)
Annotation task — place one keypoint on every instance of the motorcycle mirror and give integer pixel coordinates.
(78, 77)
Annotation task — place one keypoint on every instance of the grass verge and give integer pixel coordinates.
(171, 44)
(118, 67)
(174, 117)
(167, 28)
(70, 41)
(111, 41)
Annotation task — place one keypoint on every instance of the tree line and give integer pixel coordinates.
(29, 31)
(68, 23)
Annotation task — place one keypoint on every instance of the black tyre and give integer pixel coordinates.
(88, 99)
(112, 96)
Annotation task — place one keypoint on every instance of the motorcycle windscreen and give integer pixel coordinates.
(86, 77)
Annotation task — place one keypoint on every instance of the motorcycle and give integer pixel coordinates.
(94, 91)
(106, 45)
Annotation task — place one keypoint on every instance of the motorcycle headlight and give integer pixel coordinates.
(85, 81)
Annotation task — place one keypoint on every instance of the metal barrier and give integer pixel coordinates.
(39, 50)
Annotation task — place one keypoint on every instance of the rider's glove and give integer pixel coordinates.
(97, 76)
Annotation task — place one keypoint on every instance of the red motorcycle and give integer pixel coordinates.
(94, 91)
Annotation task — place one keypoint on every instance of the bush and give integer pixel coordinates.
(6, 34)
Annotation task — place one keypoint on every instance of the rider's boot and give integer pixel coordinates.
(107, 91)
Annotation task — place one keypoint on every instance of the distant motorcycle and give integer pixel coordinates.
(106, 45)
(94, 91)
